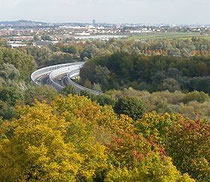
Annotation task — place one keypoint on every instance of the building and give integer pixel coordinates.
(94, 22)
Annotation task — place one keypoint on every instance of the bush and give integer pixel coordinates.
(196, 96)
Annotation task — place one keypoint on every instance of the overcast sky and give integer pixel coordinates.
(110, 11)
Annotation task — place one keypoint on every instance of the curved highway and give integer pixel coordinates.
(59, 76)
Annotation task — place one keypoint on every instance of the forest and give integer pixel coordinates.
(153, 73)
(152, 124)
(84, 50)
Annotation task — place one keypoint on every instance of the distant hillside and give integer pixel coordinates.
(22, 23)
(29, 23)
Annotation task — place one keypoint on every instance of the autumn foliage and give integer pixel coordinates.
(75, 139)
(188, 143)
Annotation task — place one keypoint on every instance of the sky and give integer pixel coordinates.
(110, 11)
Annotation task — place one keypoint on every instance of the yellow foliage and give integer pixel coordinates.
(152, 169)
(74, 139)
(49, 143)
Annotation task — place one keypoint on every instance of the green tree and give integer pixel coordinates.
(23, 62)
(10, 95)
(6, 111)
(68, 90)
(46, 37)
(36, 38)
(130, 106)
(40, 55)
(69, 49)
(43, 93)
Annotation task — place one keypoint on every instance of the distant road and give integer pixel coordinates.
(59, 76)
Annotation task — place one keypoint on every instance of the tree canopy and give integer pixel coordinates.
(74, 139)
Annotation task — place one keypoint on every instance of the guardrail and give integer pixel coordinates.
(46, 71)
(62, 71)
(78, 87)
(52, 72)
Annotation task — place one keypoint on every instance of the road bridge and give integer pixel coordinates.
(57, 75)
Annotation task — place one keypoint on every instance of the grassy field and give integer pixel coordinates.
(168, 36)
